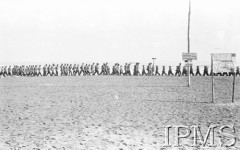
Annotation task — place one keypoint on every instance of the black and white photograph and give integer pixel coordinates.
(119, 75)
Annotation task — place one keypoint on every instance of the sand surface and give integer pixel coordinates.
(111, 112)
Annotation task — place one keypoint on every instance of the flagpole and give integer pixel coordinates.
(188, 38)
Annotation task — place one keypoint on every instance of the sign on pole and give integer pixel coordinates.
(189, 56)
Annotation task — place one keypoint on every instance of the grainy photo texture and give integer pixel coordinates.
(119, 75)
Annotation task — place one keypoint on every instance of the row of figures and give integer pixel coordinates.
(104, 69)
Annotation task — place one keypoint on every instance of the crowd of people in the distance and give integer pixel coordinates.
(104, 69)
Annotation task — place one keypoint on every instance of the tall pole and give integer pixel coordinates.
(188, 37)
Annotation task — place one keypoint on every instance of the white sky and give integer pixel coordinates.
(110, 30)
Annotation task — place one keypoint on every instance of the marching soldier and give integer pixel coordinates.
(48, 70)
(191, 71)
(149, 69)
(70, 73)
(82, 69)
(198, 71)
(9, 71)
(121, 70)
(170, 71)
(205, 71)
(157, 72)
(184, 72)
(74, 68)
(5, 71)
(45, 70)
(143, 71)
(92, 68)
(39, 71)
(163, 71)
(178, 70)
(56, 70)
(96, 69)
(237, 72)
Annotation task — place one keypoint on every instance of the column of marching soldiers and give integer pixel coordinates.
(94, 69)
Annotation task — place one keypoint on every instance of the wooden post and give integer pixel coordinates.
(233, 86)
(188, 37)
(212, 78)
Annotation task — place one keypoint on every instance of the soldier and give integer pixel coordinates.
(143, 71)
(237, 71)
(52, 70)
(178, 70)
(205, 71)
(56, 70)
(39, 71)
(92, 68)
(45, 70)
(5, 71)
(70, 70)
(125, 69)
(35, 70)
(163, 71)
(231, 73)
(149, 69)
(9, 71)
(198, 71)
(74, 68)
(96, 71)
(157, 71)
(191, 71)
(128, 69)
(48, 70)
(184, 72)
(121, 70)
(136, 70)
(107, 69)
(170, 71)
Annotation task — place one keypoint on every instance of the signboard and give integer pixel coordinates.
(223, 62)
(189, 56)
(188, 64)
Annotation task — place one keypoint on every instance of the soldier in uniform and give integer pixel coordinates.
(143, 71)
(121, 70)
(237, 71)
(184, 72)
(9, 71)
(5, 71)
(39, 71)
(92, 69)
(128, 69)
(163, 71)
(125, 69)
(149, 69)
(74, 68)
(170, 71)
(178, 70)
(96, 71)
(191, 71)
(198, 71)
(56, 70)
(205, 71)
(157, 71)
(45, 70)
(48, 70)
